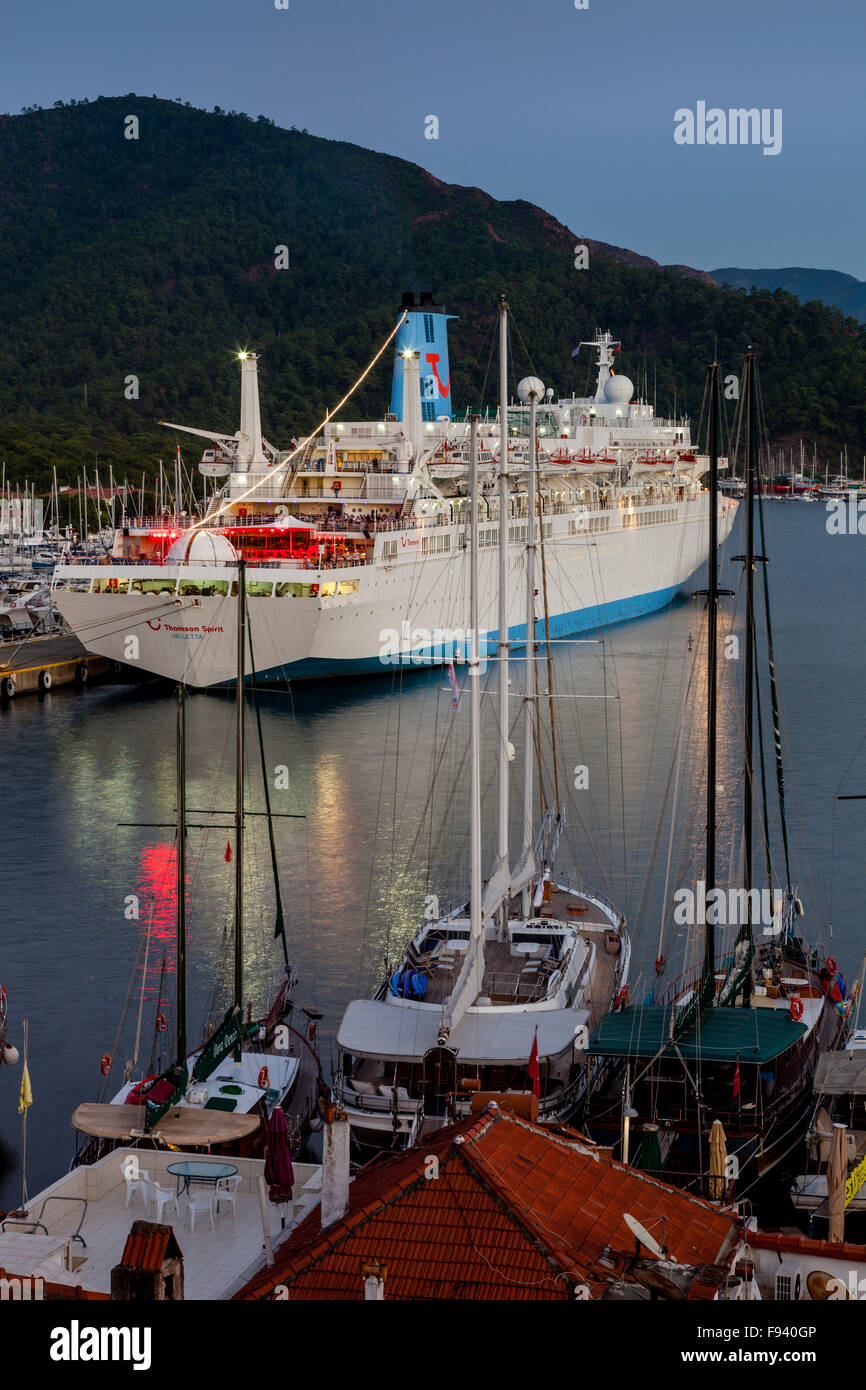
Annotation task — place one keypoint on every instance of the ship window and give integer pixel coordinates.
(110, 584)
(348, 586)
(74, 586)
(153, 586)
(207, 588)
(328, 589)
(256, 588)
(292, 590)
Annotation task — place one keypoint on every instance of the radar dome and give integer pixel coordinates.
(528, 386)
(618, 390)
(201, 547)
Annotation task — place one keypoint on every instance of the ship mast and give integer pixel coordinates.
(180, 1005)
(748, 708)
(707, 988)
(239, 800)
(529, 696)
(503, 646)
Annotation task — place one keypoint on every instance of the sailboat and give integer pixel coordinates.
(220, 1095)
(739, 1039)
(496, 997)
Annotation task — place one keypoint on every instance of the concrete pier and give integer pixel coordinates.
(39, 664)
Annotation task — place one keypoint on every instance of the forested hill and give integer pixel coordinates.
(154, 257)
(830, 286)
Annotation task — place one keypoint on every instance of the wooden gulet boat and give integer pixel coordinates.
(739, 1041)
(219, 1096)
(497, 996)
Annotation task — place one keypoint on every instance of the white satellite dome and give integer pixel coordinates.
(201, 547)
(618, 390)
(527, 386)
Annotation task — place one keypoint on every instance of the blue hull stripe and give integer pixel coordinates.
(561, 625)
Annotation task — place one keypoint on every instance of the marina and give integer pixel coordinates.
(431, 657)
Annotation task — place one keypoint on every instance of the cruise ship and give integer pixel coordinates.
(354, 540)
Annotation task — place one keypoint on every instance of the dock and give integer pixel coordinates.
(39, 664)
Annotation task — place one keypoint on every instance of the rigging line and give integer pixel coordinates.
(143, 983)
(280, 923)
(552, 715)
(774, 697)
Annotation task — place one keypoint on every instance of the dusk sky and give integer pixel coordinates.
(570, 109)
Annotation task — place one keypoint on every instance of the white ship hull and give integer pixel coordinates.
(406, 607)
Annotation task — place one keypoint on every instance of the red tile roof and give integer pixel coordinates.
(515, 1212)
(149, 1245)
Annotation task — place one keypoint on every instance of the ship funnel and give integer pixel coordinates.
(250, 433)
(424, 331)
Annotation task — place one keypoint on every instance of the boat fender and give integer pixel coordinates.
(831, 965)
(45, 680)
(8, 687)
(796, 1008)
(311, 1031)
(81, 673)
(160, 1023)
(105, 1064)
(620, 998)
(264, 1079)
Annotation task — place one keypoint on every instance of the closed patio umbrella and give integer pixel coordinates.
(279, 1173)
(718, 1162)
(837, 1172)
(650, 1151)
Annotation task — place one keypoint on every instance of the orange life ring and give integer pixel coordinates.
(105, 1064)
(796, 1008)
(830, 964)
(264, 1079)
(160, 1023)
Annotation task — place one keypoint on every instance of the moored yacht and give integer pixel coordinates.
(497, 996)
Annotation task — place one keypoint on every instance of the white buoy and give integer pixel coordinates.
(10, 1055)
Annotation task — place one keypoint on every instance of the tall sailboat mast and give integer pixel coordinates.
(748, 706)
(503, 646)
(475, 925)
(239, 796)
(180, 1004)
(529, 696)
(707, 990)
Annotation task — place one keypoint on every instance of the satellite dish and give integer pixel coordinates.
(642, 1235)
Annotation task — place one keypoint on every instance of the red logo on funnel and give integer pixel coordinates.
(156, 624)
(433, 359)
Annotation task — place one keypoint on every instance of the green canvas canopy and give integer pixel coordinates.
(717, 1035)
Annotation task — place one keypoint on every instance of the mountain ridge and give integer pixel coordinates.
(154, 258)
(832, 287)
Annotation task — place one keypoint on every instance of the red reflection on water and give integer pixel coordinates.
(157, 891)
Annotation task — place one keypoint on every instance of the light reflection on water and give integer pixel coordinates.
(356, 869)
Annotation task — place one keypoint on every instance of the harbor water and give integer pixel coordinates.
(366, 780)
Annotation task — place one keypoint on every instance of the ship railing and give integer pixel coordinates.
(593, 895)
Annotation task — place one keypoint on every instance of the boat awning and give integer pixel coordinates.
(719, 1035)
(109, 1121)
(405, 1032)
(841, 1073)
(181, 1126)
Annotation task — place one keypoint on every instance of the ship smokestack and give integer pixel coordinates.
(424, 331)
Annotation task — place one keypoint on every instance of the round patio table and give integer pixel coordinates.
(203, 1173)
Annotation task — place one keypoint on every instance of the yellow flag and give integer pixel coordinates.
(25, 1095)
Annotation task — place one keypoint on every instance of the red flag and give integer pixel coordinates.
(228, 851)
(534, 1073)
(737, 1079)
